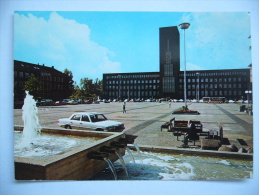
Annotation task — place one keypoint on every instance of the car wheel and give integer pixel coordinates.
(68, 127)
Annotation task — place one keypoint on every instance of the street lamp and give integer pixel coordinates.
(184, 26)
(248, 106)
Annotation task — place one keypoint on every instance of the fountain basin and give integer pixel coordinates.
(165, 163)
(71, 165)
(194, 152)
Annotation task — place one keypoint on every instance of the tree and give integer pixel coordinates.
(90, 88)
(70, 87)
(33, 85)
(77, 93)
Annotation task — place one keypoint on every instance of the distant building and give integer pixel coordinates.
(169, 81)
(54, 84)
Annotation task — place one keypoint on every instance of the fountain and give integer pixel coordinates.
(175, 164)
(59, 154)
(31, 122)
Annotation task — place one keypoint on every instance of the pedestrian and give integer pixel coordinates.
(124, 107)
(170, 103)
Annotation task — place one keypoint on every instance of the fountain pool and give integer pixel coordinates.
(164, 166)
(71, 163)
(45, 146)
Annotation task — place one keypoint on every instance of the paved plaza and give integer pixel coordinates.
(144, 119)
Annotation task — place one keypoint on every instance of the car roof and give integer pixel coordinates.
(87, 113)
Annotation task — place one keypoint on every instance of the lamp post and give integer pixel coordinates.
(184, 26)
(248, 106)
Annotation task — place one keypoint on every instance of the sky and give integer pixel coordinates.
(90, 43)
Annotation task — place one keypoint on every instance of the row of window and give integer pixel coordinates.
(196, 80)
(154, 87)
(132, 76)
(225, 73)
(44, 76)
(133, 81)
(45, 86)
(213, 86)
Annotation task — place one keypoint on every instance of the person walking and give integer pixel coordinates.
(124, 107)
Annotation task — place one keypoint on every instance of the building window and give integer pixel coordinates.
(21, 74)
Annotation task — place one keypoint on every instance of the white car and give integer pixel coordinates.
(90, 121)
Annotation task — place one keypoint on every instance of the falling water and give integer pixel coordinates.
(111, 166)
(139, 152)
(30, 120)
(130, 153)
(123, 164)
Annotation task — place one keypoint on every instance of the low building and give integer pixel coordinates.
(53, 83)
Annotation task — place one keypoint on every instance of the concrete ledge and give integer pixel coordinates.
(194, 152)
(210, 144)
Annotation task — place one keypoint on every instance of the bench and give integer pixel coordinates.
(167, 125)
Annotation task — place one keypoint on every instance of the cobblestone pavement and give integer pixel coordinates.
(144, 119)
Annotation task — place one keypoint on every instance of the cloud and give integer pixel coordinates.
(221, 37)
(62, 43)
(190, 66)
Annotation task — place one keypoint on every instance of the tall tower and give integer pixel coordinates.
(169, 47)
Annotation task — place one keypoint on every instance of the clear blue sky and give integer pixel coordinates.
(92, 43)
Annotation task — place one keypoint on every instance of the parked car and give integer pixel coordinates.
(88, 102)
(90, 121)
(72, 102)
(60, 103)
(45, 102)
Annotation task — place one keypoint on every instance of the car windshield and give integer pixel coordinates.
(97, 118)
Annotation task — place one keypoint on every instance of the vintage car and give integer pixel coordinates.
(90, 121)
